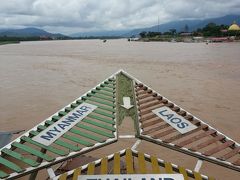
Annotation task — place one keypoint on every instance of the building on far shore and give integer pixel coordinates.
(234, 31)
(234, 27)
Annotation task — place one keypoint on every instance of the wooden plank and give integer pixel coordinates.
(207, 143)
(105, 89)
(189, 117)
(140, 92)
(140, 86)
(68, 109)
(144, 106)
(99, 106)
(110, 82)
(99, 96)
(197, 176)
(211, 178)
(168, 168)
(150, 123)
(62, 113)
(10, 165)
(104, 126)
(91, 169)
(230, 154)
(104, 166)
(182, 113)
(164, 133)
(101, 119)
(97, 131)
(175, 108)
(155, 165)
(145, 96)
(148, 117)
(112, 79)
(63, 177)
(143, 102)
(170, 105)
(221, 147)
(108, 86)
(156, 128)
(116, 164)
(104, 97)
(146, 100)
(56, 118)
(33, 151)
(76, 173)
(103, 93)
(183, 172)
(3, 174)
(87, 135)
(179, 136)
(78, 140)
(111, 109)
(142, 163)
(143, 88)
(49, 148)
(237, 162)
(129, 162)
(104, 113)
(99, 101)
(195, 138)
(74, 105)
(19, 157)
(67, 145)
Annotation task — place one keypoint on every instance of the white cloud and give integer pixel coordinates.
(68, 16)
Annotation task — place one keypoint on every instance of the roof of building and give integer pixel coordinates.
(234, 27)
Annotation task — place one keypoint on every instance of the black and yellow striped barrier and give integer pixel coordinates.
(131, 162)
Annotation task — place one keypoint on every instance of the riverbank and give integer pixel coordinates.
(189, 39)
(9, 42)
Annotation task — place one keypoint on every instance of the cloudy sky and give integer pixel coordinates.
(71, 16)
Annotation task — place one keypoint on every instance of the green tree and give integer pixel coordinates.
(153, 34)
(186, 28)
(143, 34)
(211, 29)
(173, 31)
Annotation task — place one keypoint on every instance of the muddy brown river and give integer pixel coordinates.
(39, 78)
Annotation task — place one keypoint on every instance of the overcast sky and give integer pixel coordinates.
(70, 16)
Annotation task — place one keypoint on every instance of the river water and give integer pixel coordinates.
(39, 78)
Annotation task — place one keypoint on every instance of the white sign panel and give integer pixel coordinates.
(132, 177)
(56, 130)
(175, 120)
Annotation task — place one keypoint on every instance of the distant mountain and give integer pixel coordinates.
(178, 25)
(192, 25)
(100, 33)
(28, 32)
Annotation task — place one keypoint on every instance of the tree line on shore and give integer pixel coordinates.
(12, 39)
(210, 30)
